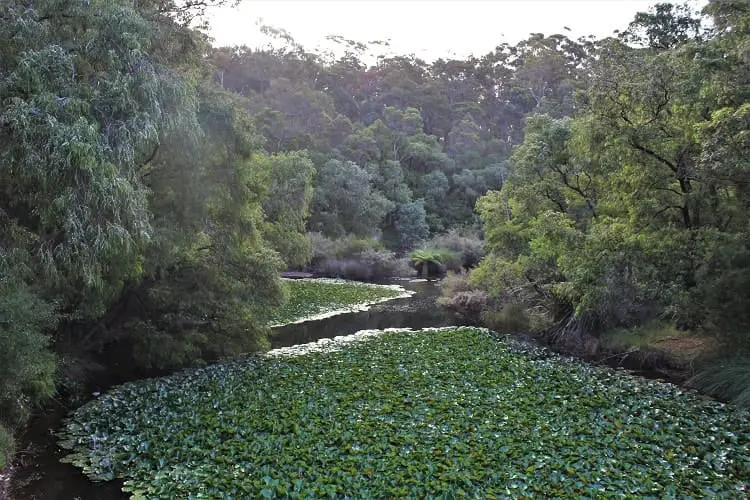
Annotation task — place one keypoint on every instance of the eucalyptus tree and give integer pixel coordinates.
(131, 204)
(85, 91)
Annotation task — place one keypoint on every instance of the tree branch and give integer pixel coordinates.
(653, 154)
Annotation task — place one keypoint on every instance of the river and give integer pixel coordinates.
(40, 474)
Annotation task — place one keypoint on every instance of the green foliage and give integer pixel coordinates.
(6, 446)
(309, 299)
(434, 261)
(438, 132)
(459, 296)
(467, 245)
(641, 336)
(345, 203)
(628, 213)
(362, 259)
(727, 381)
(27, 366)
(449, 413)
(663, 27)
(134, 203)
(350, 246)
(137, 202)
(410, 226)
(210, 275)
(81, 110)
(287, 206)
(511, 317)
(86, 94)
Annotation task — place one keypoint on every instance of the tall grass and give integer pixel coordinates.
(728, 382)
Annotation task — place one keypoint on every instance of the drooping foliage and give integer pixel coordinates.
(132, 202)
(209, 276)
(287, 206)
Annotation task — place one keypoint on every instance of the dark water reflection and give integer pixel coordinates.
(417, 311)
(43, 477)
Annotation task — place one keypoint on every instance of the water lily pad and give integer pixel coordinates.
(444, 412)
(315, 299)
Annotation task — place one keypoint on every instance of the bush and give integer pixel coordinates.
(470, 304)
(6, 446)
(363, 259)
(454, 283)
(728, 382)
(460, 297)
(468, 247)
(434, 261)
(343, 268)
(342, 248)
(322, 247)
(384, 263)
(512, 318)
(27, 365)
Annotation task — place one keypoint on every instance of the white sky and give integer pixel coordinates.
(428, 29)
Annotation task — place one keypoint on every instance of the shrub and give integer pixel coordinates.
(322, 247)
(6, 446)
(470, 304)
(512, 318)
(343, 268)
(347, 247)
(384, 263)
(27, 365)
(363, 259)
(454, 283)
(729, 382)
(355, 247)
(434, 261)
(468, 247)
(460, 297)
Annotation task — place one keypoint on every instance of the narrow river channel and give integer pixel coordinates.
(41, 475)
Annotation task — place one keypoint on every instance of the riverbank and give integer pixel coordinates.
(655, 352)
(39, 474)
(36, 472)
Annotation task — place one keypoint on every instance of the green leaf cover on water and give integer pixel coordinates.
(310, 299)
(456, 411)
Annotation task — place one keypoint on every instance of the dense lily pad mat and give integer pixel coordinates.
(317, 298)
(433, 412)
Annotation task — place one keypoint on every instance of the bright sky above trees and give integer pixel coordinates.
(428, 29)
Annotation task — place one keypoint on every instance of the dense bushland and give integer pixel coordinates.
(635, 208)
(364, 259)
(132, 203)
(152, 186)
